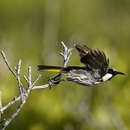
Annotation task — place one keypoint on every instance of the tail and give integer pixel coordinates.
(51, 68)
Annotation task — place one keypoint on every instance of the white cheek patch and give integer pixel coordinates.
(106, 77)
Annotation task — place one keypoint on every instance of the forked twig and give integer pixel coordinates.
(24, 93)
(66, 53)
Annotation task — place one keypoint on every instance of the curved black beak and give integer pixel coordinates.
(121, 73)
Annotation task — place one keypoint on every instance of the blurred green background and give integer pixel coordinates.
(32, 30)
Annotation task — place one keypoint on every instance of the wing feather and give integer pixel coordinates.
(94, 58)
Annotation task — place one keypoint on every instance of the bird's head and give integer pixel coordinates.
(111, 73)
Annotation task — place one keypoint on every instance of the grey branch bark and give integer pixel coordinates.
(24, 93)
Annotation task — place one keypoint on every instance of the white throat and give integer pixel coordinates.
(106, 77)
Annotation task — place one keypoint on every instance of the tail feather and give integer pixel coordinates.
(51, 68)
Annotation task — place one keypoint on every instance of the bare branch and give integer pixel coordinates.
(66, 56)
(16, 112)
(24, 93)
(40, 87)
(15, 99)
(19, 67)
(24, 76)
(37, 78)
(21, 89)
(27, 91)
(8, 121)
(66, 53)
(29, 76)
(12, 71)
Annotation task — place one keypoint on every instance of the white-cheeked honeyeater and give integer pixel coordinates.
(95, 70)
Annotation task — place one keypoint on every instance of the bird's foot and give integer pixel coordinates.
(54, 81)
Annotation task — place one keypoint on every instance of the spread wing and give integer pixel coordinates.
(93, 58)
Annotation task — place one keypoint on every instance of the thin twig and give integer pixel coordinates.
(16, 112)
(16, 99)
(24, 76)
(16, 75)
(37, 78)
(24, 93)
(8, 121)
(19, 67)
(21, 89)
(5, 60)
(30, 86)
(29, 76)
(40, 87)
(66, 53)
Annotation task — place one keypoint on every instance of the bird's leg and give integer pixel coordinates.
(55, 80)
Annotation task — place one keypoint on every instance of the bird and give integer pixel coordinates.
(95, 70)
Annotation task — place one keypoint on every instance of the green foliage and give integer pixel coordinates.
(32, 30)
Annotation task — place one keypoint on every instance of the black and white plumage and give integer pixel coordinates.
(95, 71)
